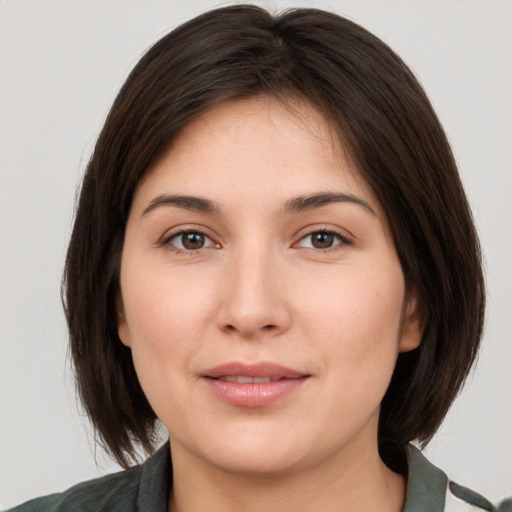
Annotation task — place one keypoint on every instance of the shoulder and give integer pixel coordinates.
(142, 487)
(429, 489)
(112, 492)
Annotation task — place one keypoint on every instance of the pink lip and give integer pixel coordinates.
(252, 395)
(263, 369)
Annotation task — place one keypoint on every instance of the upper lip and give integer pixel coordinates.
(262, 369)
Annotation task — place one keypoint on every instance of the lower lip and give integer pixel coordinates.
(254, 395)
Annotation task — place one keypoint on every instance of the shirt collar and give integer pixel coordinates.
(156, 481)
(426, 484)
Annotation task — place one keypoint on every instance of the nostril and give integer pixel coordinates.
(266, 328)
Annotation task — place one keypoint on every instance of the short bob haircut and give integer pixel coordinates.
(385, 122)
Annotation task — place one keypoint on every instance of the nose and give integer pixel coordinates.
(254, 301)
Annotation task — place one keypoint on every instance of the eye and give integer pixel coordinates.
(191, 240)
(322, 240)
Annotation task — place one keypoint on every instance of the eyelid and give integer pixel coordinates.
(176, 232)
(343, 238)
(341, 235)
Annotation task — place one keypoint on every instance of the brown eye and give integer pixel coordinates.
(322, 240)
(189, 241)
(193, 240)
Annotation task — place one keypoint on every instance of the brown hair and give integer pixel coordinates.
(389, 128)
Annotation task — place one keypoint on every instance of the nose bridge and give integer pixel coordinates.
(253, 300)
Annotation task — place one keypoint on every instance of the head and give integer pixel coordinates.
(378, 115)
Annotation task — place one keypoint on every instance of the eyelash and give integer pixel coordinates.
(342, 240)
(168, 241)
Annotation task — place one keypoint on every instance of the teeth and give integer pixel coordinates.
(242, 379)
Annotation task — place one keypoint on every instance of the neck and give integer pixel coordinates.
(358, 480)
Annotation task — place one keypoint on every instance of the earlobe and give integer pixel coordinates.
(122, 325)
(412, 325)
(124, 333)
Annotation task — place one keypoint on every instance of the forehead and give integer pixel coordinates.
(256, 148)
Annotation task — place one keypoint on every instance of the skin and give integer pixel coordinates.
(260, 289)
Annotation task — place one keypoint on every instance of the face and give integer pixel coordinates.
(261, 293)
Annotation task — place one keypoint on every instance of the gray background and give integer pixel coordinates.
(61, 63)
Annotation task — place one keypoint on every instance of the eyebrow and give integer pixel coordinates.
(295, 205)
(312, 201)
(193, 203)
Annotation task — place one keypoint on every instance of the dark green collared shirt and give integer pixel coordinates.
(146, 488)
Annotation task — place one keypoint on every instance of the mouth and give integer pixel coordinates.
(244, 379)
(250, 373)
(253, 385)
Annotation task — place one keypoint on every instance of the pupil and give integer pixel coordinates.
(193, 240)
(323, 240)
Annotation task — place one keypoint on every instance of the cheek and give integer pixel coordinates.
(163, 306)
(167, 318)
(357, 322)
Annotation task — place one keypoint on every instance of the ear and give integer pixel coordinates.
(412, 324)
(123, 330)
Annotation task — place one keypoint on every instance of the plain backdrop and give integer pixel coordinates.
(61, 64)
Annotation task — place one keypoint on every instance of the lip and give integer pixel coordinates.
(263, 369)
(253, 395)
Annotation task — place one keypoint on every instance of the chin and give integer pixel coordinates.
(257, 462)
(252, 452)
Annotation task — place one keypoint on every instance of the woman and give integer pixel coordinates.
(274, 256)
